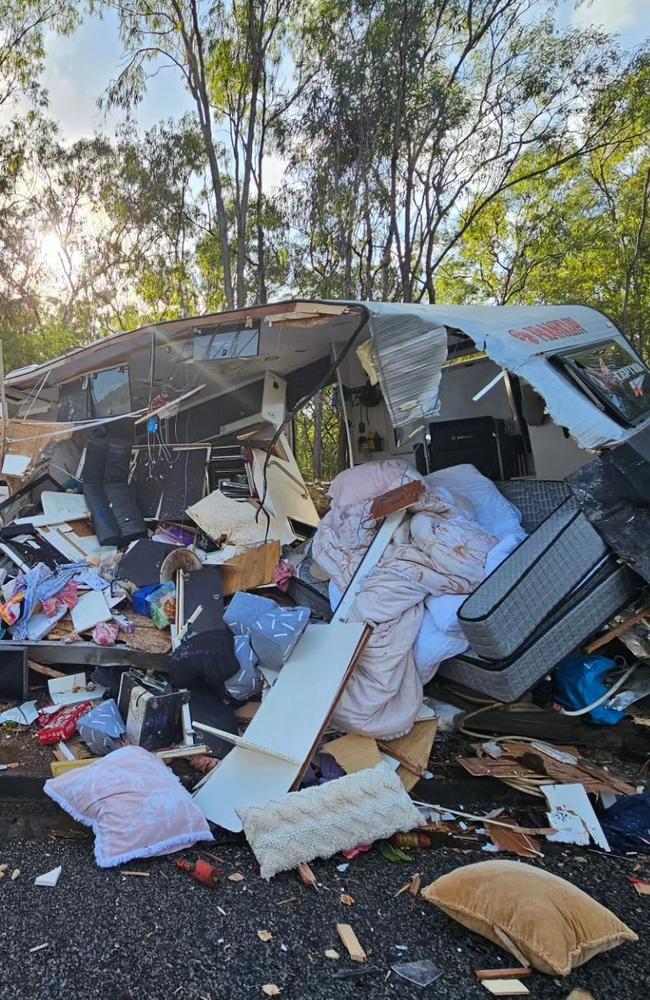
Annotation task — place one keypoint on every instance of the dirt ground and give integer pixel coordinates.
(110, 936)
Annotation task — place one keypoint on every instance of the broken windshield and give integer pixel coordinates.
(612, 376)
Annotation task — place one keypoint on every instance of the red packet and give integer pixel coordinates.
(61, 725)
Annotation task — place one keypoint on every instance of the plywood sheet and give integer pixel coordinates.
(218, 515)
(354, 752)
(253, 568)
(415, 747)
(289, 721)
(504, 767)
(594, 779)
(149, 640)
(513, 841)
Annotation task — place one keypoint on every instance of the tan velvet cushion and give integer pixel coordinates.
(556, 926)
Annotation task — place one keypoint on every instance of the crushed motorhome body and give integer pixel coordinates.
(172, 599)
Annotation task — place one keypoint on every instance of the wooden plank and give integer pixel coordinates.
(321, 733)
(397, 499)
(63, 766)
(617, 630)
(505, 987)
(307, 876)
(414, 749)
(513, 841)
(290, 721)
(253, 568)
(372, 556)
(509, 945)
(244, 744)
(503, 767)
(594, 779)
(351, 942)
(521, 972)
(38, 668)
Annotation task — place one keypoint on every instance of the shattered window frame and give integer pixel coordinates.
(626, 407)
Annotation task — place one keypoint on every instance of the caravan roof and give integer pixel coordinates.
(410, 347)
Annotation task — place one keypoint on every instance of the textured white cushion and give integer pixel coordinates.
(319, 821)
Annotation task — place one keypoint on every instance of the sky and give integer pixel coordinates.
(79, 67)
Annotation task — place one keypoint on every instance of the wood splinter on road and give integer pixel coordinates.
(307, 876)
(351, 942)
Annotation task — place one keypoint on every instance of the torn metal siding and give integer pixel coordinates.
(410, 354)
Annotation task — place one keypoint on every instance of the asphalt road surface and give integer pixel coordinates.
(115, 937)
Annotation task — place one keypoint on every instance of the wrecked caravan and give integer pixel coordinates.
(161, 551)
(549, 375)
(519, 392)
(549, 403)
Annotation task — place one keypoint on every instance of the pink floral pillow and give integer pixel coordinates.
(135, 805)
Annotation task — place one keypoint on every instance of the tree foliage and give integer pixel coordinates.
(410, 150)
(581, 234)
(23, 27)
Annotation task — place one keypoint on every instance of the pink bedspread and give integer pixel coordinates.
(438, 549)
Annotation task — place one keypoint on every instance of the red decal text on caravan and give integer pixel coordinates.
(555, 329)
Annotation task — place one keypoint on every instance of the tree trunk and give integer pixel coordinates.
(193, 43)
(256, 33)
(318, 436)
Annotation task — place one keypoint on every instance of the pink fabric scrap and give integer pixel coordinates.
(70, 594)
(105, 633)
(359, 849)
(282, 574)
(50, 606)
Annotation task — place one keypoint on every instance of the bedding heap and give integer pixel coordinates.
(456, 534)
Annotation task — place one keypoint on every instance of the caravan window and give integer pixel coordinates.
(612, 376)
(110, 392)
(217, 343)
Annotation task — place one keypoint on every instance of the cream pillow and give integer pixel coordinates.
(336, 816)
(556, 926)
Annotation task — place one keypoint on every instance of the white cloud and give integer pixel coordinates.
(613, 15)
(275, 168)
